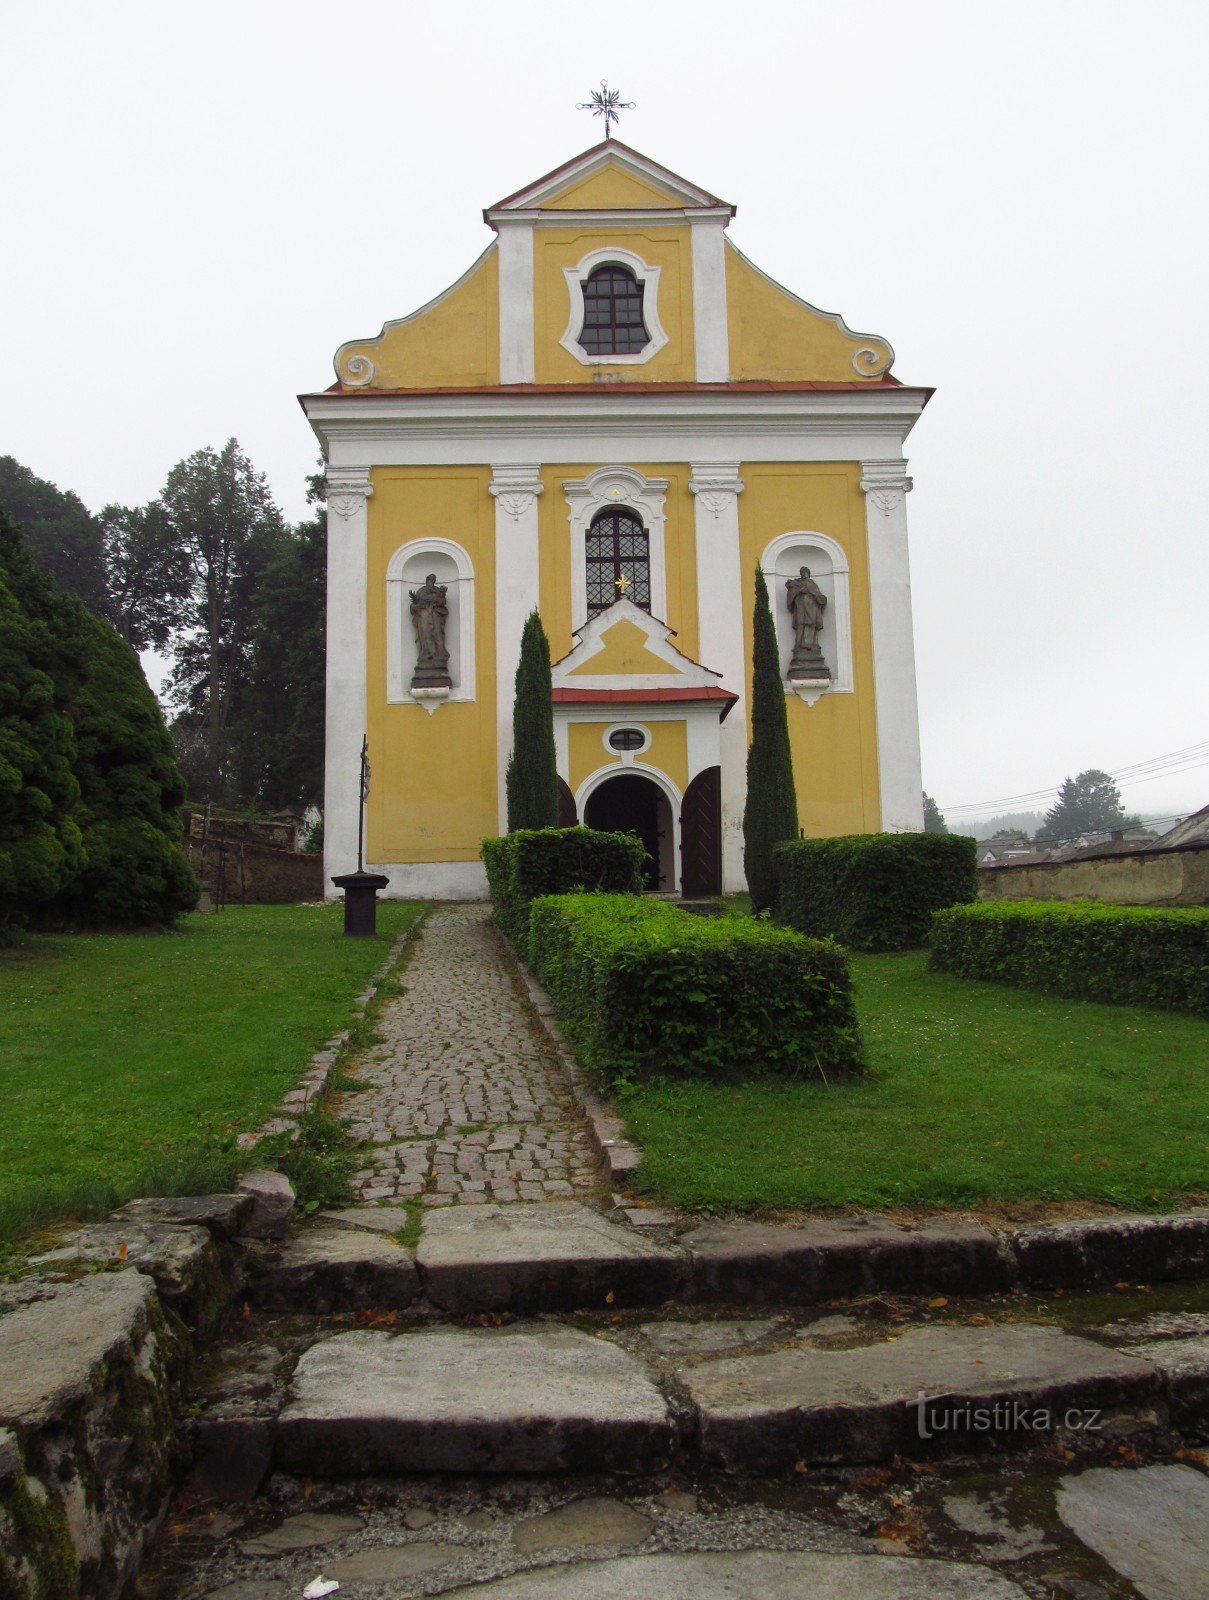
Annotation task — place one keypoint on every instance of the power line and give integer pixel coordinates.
(1185, 760)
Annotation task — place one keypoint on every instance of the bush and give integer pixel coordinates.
(873, 891)
(1126, 955)
(134, 869)
(533, 862)
(643, 988)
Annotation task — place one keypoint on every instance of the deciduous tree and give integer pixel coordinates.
(771, 813)
(61, 534)
(223, 519)
(933, 821)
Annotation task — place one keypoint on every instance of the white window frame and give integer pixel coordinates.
(398, 619)
(648, 279)
(616, 489)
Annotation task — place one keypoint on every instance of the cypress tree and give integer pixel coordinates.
(129, 787)
(532, 780)
(771, 813)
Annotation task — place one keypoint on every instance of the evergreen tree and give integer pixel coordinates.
(532, 779)
(933, 821)
(1090, 803)
(40, 845)
(61, 534)
(771, 813)
(223, 520)
(129, 787)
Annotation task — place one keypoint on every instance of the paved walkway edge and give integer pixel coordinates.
(619, 1156)
(310, 1088)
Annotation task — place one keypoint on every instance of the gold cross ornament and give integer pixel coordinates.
(622, 583)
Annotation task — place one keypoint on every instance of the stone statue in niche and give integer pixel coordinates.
(806, 602)
(429, 614)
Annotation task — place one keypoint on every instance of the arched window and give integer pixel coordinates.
(613, 323)
(618, 560)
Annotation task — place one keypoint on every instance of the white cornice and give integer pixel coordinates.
(618, 217)
(783, 417)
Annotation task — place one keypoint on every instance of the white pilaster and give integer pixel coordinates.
(710, 326)
(721, 598)
(885, 485)
(516, 489)
(348, 492)
(516, 303)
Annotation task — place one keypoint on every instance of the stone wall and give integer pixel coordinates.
(1178, 877)
(270, 877)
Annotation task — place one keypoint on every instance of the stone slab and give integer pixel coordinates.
(1142, 1249)
(325, 1269)
(391, 1562)
(552, 1256)
(524, 1399)
(751, 1575)
(749, 1263)
(584, 1524)
(51, 1348)
(1151, 1525)
(225, 1215)
(182, 1259)
(250, 1591)
(863, 1403)
(272, 1203)
(371, 1219)
(310, 1530)
(1184, 1364)
(10, 1454)
(676, 1340)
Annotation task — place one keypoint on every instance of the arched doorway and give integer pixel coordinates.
(632, 803)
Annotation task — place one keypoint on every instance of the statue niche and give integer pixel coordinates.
(806, 603)
(429, 615)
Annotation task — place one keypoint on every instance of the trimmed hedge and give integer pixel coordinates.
(642, 987)
(873, 891)
(1126, 955)
(539, 861)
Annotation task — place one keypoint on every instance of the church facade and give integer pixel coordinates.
(613, 417)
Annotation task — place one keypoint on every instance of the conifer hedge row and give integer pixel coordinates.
(540, 861)
(873, 891)
(642, 987)
(1127, 955)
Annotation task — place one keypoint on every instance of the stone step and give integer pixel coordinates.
(742, 1394)
(560, 1255)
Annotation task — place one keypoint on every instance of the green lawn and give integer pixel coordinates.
(128, 1063)
(975, 1093)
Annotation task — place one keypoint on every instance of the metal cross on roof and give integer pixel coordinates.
(606, 103)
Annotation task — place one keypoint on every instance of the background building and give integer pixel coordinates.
(615, 417)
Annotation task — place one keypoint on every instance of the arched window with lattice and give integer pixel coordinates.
(618, 560)
(613, 320)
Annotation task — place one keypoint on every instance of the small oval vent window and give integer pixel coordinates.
(627, 739)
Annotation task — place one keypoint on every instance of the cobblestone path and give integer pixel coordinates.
(465, 1100)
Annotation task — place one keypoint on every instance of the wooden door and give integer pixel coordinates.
(701, 835)
(566, 806)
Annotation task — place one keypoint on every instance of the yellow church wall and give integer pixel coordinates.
(834, 742)
(776, 337)
(624, 654)
(610, 189)
(670, 249)
(680, 553)
(452, 343)
(587, 751)
(434, 790)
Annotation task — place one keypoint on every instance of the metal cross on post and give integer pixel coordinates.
(361, 887)
(606, 103)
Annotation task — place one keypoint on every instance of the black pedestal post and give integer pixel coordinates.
(361, 902)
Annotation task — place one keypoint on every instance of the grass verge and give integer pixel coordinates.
(975, 1093)
(129, 1063)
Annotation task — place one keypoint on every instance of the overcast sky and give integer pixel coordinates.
(202, 201)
